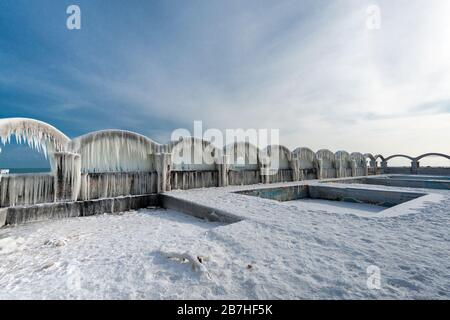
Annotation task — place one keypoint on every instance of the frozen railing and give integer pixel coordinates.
(113, 163)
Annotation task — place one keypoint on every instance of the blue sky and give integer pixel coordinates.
(309, 68)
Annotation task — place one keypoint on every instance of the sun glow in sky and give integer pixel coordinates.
(309, 68)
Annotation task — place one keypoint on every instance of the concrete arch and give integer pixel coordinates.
(369, 156)
(37, 134)
(306, 158)
(278, 156)
(326, 161)
(432, 155)
(398, 156)
(359, 158)
(304, 153)
(379, 156)
(325, 154)
(342, 155)
(115, 151)
(191, 153)
(243, 155)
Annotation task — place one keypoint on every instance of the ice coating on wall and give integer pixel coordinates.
(36, 134)
(115, 151)
(67, 173)
(114, 184)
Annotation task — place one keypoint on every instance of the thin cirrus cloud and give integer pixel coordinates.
(309, 68)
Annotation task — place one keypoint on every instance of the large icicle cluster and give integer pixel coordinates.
(26, 189)
(36, 134)
(115, 151)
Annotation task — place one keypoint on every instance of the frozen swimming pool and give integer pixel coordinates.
(334, 194)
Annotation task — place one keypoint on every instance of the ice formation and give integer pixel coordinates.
(37, 134)
(115, 151)
(68, 175)
(342, 163)
(26, 189)
(114, 184)
(326, 163)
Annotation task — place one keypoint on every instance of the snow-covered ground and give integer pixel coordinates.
(298, 249)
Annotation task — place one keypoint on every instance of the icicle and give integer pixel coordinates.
(36, 134)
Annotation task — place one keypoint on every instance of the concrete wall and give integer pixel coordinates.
(114, 163)
(194, 179)
(23, 214)
(115, 184)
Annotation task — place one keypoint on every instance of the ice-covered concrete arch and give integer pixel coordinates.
(278, 156)
(342, 163)
(342, 155)
(37, 134)
(326, 163)
(115, 151)
(326, 155)
(304, 154)
(307, 163)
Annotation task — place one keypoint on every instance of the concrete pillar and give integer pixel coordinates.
(373, 166)
(340, 169)
(354, 167)
(224, 167)
(163, 162)
(67, 172)
(264, 169)
(366, 168)
(414, 166)
(294, 164)
(319, 166)
(383, 166)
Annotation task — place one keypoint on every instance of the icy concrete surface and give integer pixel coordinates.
(280, 251)
(334, 206)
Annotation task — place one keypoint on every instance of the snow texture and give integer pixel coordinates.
(289, 250)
